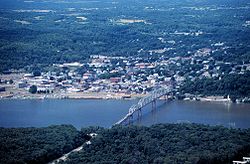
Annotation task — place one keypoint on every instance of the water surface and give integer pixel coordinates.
(83, 113)
(212, 113)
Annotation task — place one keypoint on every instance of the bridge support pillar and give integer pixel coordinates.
(152, 98)
(153, 105)
(130, 120)
(139, 114)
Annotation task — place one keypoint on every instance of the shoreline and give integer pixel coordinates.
(111, 96)
(80, 95)
(209, 99)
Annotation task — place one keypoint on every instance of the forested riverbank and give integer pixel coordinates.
(161, 143)
(37, 145)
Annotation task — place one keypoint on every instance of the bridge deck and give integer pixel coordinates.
(143, 102)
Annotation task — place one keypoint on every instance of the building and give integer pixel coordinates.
(87, 76)
(22, 84)
(2, 89)
(115, 79)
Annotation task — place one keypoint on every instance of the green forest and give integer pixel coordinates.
(161, 143)
(37, 145)
(32, 38)
(166, 143)
(234, 85)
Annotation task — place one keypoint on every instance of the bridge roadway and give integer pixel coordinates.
(151, 98)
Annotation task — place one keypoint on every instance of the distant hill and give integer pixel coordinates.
(39, 33)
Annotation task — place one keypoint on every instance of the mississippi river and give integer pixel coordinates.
(83, 113)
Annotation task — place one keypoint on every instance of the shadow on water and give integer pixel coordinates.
(210, 113)
(148, 111)
(83, 113)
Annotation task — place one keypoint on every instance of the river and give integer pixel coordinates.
(83, 113)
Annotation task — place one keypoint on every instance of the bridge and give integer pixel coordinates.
(151, 98)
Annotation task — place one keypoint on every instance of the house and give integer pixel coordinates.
(100, 62)
(87, 76)
(22, 84)
(71, 65)
(115, 79)
(28, 75)
(141, 65)
(203, 52)
(2, 89)
(72, 89)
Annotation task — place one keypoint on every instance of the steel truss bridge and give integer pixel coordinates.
(136, 108)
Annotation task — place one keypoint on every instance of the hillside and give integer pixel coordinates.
(162, 143)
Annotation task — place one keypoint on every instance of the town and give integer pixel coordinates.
(116, 77)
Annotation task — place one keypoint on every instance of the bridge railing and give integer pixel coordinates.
(145, 101)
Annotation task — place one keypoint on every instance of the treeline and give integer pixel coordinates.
(161, 143)
(37, 145)
(234, 85)
(165, 143)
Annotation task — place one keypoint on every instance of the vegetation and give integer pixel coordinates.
(34, 36)
(165, 143)
(37, 145)
(37, 73)
(232, 84)
(162, 143)
(59, 36)
(33, 89)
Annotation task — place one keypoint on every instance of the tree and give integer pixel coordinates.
(37, 73)
(37, 145)
(11, 81)
(33, 89)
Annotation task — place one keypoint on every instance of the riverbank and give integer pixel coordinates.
(221, 99)
(113, 96)
(209, 99)
(73, 95)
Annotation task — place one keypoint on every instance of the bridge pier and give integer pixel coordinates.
(153, 105)
(130, 119)
(139, 114)
(150, 99)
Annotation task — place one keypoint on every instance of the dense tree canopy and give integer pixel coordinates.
(233, 84)
(37, 145)
(38, 39)
(165, 143)
(162, 143)
(33, 89)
